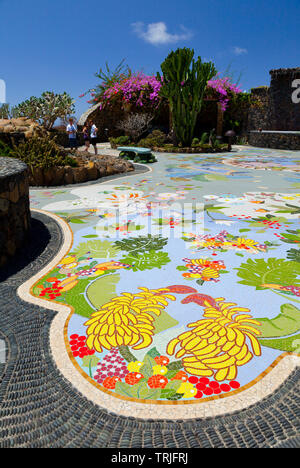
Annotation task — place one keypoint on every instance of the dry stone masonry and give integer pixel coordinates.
(284, 112)
(89, 168)
(14, 130)
(15, 220)
(275, 122)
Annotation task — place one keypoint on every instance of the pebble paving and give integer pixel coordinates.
(40, 409)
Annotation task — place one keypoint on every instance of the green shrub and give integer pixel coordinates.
(195, 142)
(154, 139)
(5, 150)
(121, 140)
(41, 152)
(158, 137)
(146, 143)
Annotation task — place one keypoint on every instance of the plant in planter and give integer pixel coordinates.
(41, 152)
(183, 83)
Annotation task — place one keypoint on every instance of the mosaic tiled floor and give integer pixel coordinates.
(178, 290)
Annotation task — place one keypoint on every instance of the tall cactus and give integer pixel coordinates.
(184, 82)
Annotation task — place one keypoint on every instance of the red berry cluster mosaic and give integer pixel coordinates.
(207, 387)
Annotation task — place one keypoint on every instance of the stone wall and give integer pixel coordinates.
(276, 140)
(273, 107)
(107, 119)
(284, 113)
(89, 168)
(15, 220)
(274, 119)
(14, 130)
(259, 113)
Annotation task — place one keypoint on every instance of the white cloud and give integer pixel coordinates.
(239, 51)
(157, 33)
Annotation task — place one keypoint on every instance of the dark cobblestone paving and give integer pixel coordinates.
(39, 408)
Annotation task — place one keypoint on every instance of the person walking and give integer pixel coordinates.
(93, 136)
(86, 135)
(72, 132)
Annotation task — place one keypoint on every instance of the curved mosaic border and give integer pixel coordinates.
(260, 388)
(68, 419)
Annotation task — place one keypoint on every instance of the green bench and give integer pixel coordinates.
(142, 155)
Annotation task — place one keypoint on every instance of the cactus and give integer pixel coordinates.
(184, 82)
(204, 138)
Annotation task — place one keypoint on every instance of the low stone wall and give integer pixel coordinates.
(15, 219)
(89, 168)
(275, 140)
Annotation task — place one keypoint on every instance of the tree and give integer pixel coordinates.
(184, 81)
(29, 108)
(47, 108)
(7, 112)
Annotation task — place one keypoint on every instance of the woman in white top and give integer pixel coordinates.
(93, 135)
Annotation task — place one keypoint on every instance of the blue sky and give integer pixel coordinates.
(59, 44)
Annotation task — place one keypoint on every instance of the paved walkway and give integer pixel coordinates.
(212, 242)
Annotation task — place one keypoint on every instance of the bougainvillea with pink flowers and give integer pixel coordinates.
(143, 91)
(222, 89)
(139, 90)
